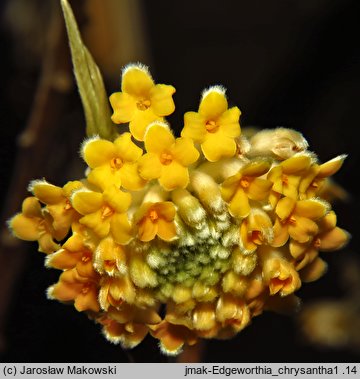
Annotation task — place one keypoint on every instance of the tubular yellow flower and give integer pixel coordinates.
(141, 100)
(33, 225)
(156, 219)
(214, 126)
(115, 291)
(113, 163)
(110, 258)
(105, 212)
(129, 334)
(58, 203)
(313, 181)
(297, 219)
(278, 273)
(245, 185)
(167, 158)
(287, 175)
(80, 287)
(329, 238)
(255, 230)
(172, 337)
(74, 252)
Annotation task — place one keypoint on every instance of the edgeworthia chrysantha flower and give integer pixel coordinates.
(181, 237)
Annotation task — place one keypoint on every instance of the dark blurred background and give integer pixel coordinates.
(292, 63)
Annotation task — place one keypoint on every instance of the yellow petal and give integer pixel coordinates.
(281, 234)
(121, 228)
(296, 164)
(303, 229)
(204, 316)
(147, 230)
(124, 106)
(194, 126)
(87, 301)
(229, 122)
(328, 221)
(218, 145)
(331, 167)
(275, 175)
(63, 259)
(165, 209)
(31, 207)
(98, 152)
(47, 244)
(239, 205)
(229, 186)
(137, 81)
(86, 202)
(130, 178)
(96, 222)
(334, 239)
(307, 179)
(140, 122)
(313, 209)
(64, 291)
(24, 227)
(172, 337)
(150, 166)
(104, 176)
(126, 148)
(213, 104)
(256, 168)
(166, 230)
(259, 189)
(118, 200)
(247, 243)
(290, 186)
(297, 249)
(46, 192)
(158, 138)
(313, 271)
(285, 207)
(131, 339)
(161, 99)
(174, 176)
(62, 219)
(185, 152)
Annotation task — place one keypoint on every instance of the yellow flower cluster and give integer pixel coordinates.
(183, 238)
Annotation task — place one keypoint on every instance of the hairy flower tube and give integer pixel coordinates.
(183, 237)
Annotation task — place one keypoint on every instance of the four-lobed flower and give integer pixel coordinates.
(214, 126)
(141, 100)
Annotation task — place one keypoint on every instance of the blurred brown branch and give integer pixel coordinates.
(33, 149)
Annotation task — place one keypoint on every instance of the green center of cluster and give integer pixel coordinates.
(203, 260)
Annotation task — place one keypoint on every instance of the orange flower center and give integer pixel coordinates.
(143, 105)
(67, 205)
(116, 163)
(256, 236)
(166, 158)
(211, 126)
(109, 264)
(106, 212)
(86, 288)
(292, 220)
(245, 182)
(314, 184)
(86, 257)
(276, 283)
(153, 215)
(317, 243)
(285, 179)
